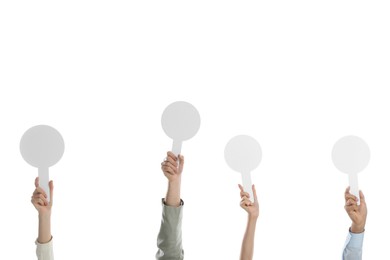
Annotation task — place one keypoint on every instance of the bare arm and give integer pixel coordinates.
(173, 168)
(247, 247)
(38, 199)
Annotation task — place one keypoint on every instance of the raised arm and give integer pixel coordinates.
(44, 241)
(172, 168)
(253, 213)
(169, 240)
(353, 249)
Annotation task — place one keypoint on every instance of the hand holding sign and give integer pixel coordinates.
(243, 154)
(351, 155)
(42, 146)
(180, 121)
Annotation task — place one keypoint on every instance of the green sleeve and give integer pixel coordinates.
(169, 240)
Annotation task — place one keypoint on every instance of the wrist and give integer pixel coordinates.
(175, 182)
(44, 216)
(253, 217)
(357, 228)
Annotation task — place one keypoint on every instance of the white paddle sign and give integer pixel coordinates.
(351, 155)
(42, 146)
(180, 121)
(243, 154)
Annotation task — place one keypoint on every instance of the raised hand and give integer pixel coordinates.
(172, 166)
(248, 241)
(39, 198)
(358, 214)
(247, 205)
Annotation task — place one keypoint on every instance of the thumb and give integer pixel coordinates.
(362, 198)
(51, 187)
(254, 193)
(181, 161)
(36, 182)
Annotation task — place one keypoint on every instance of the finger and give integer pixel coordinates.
(254, 193)
(241, 188)
(41, 202)
(38, 202)
(36, 182)
(171, 155)
(39, 190)
(350, 202)
(244, 198)
(170, 170)
(350, 197)
(173, 168)
(166, 170)
(181, 162)
(171, 161)
(39, 196)
(347, 191)
(246, 202)
(244, 194)
(243, 204)
(171, 165)
(51, 187)
(362, 198)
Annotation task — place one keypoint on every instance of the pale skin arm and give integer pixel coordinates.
(172, 168)
(38, 199)
(253, 213)
(358, 214)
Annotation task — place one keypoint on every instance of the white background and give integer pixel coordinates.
(296, 75)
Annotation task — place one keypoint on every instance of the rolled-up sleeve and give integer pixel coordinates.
(45, 251)
(353, 248)
(169, 240)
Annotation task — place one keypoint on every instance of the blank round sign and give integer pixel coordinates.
(180, 121)
(351, 154)
(243, 153)
(42, 146)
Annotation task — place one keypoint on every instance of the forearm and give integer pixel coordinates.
(44, 230)
(172, 197)
(249, 239)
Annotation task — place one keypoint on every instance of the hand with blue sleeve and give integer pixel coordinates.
(353, 249)
(357, 213)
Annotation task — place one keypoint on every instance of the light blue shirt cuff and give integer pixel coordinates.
(356, 240)
(353, 246)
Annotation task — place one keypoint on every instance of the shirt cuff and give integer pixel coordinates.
(46, 246)
(356, 240)
(165, 205)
